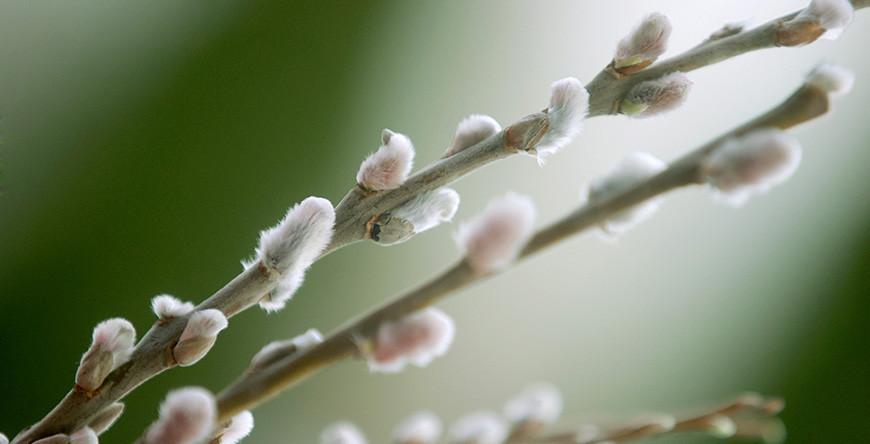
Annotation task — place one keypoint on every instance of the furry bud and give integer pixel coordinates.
(342, 433)
(417, 339)
(478, 428)
(569, 103)
(634, 169)
(389, 166)
(656, 96)
(644, 45)
(751, 164)
(3, 439)
(167, 307)
(720, 426)
(421, 213)
(833, 16)
(106, 418)
(472, 130)
(237, 429)
(279, 349)
(199, 336)
(831, 79)
(493, 239)
(419, 428)
(85, 435)
(186, 416)
(539, 403)
(111, 347)
(293, 245)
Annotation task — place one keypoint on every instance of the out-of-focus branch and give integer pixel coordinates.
(253, 389)
(722, 420)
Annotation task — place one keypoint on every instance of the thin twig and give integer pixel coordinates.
(153, 354)
(254, 389)
(697, 423)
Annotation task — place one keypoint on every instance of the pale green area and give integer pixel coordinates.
(145, 145)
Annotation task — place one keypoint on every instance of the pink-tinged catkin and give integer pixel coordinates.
(632, 170)
(389, 166)
(416, 339)
(492, 240)
(239, 427)
(166, 307)
(751, 164)
(186, 416)
(84, 435)
(472, 130)
(278, 349)
(420, 428)
(199, 336)
(421, 213)
(539, 403)
(482, 427)
(646, 43)
(112, 344)
(291, 246)
(569, 103)
(832, 15)
(656, 96)
(832, 79)
(342, 432)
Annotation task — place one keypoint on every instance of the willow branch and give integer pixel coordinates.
(358, 208)
(747, 407)
(253, 389)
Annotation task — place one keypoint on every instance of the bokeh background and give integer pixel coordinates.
(146, 143)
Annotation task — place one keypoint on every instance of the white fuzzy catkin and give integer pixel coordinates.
(187, 416)
(832, 15)
(634, 169)
(538, 403)
(199, 336)
(291, 246)
(492, 239)
(428, 210)
(277, 349)
(472, 130)
(569, 103)
(342, 432)
(751, 164)
(656, 96)
(478, 428)
(85, 435)
(112, 344)
(106, 418)
(240, 426)
(166, 306)
(832, 79)
(645, 43)
(3, 439)
(721, 426)
(389, 166)
(420, 428)
(416, 339)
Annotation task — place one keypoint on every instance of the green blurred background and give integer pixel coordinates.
(146, 143)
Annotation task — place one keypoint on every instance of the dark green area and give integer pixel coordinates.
(167, 196)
